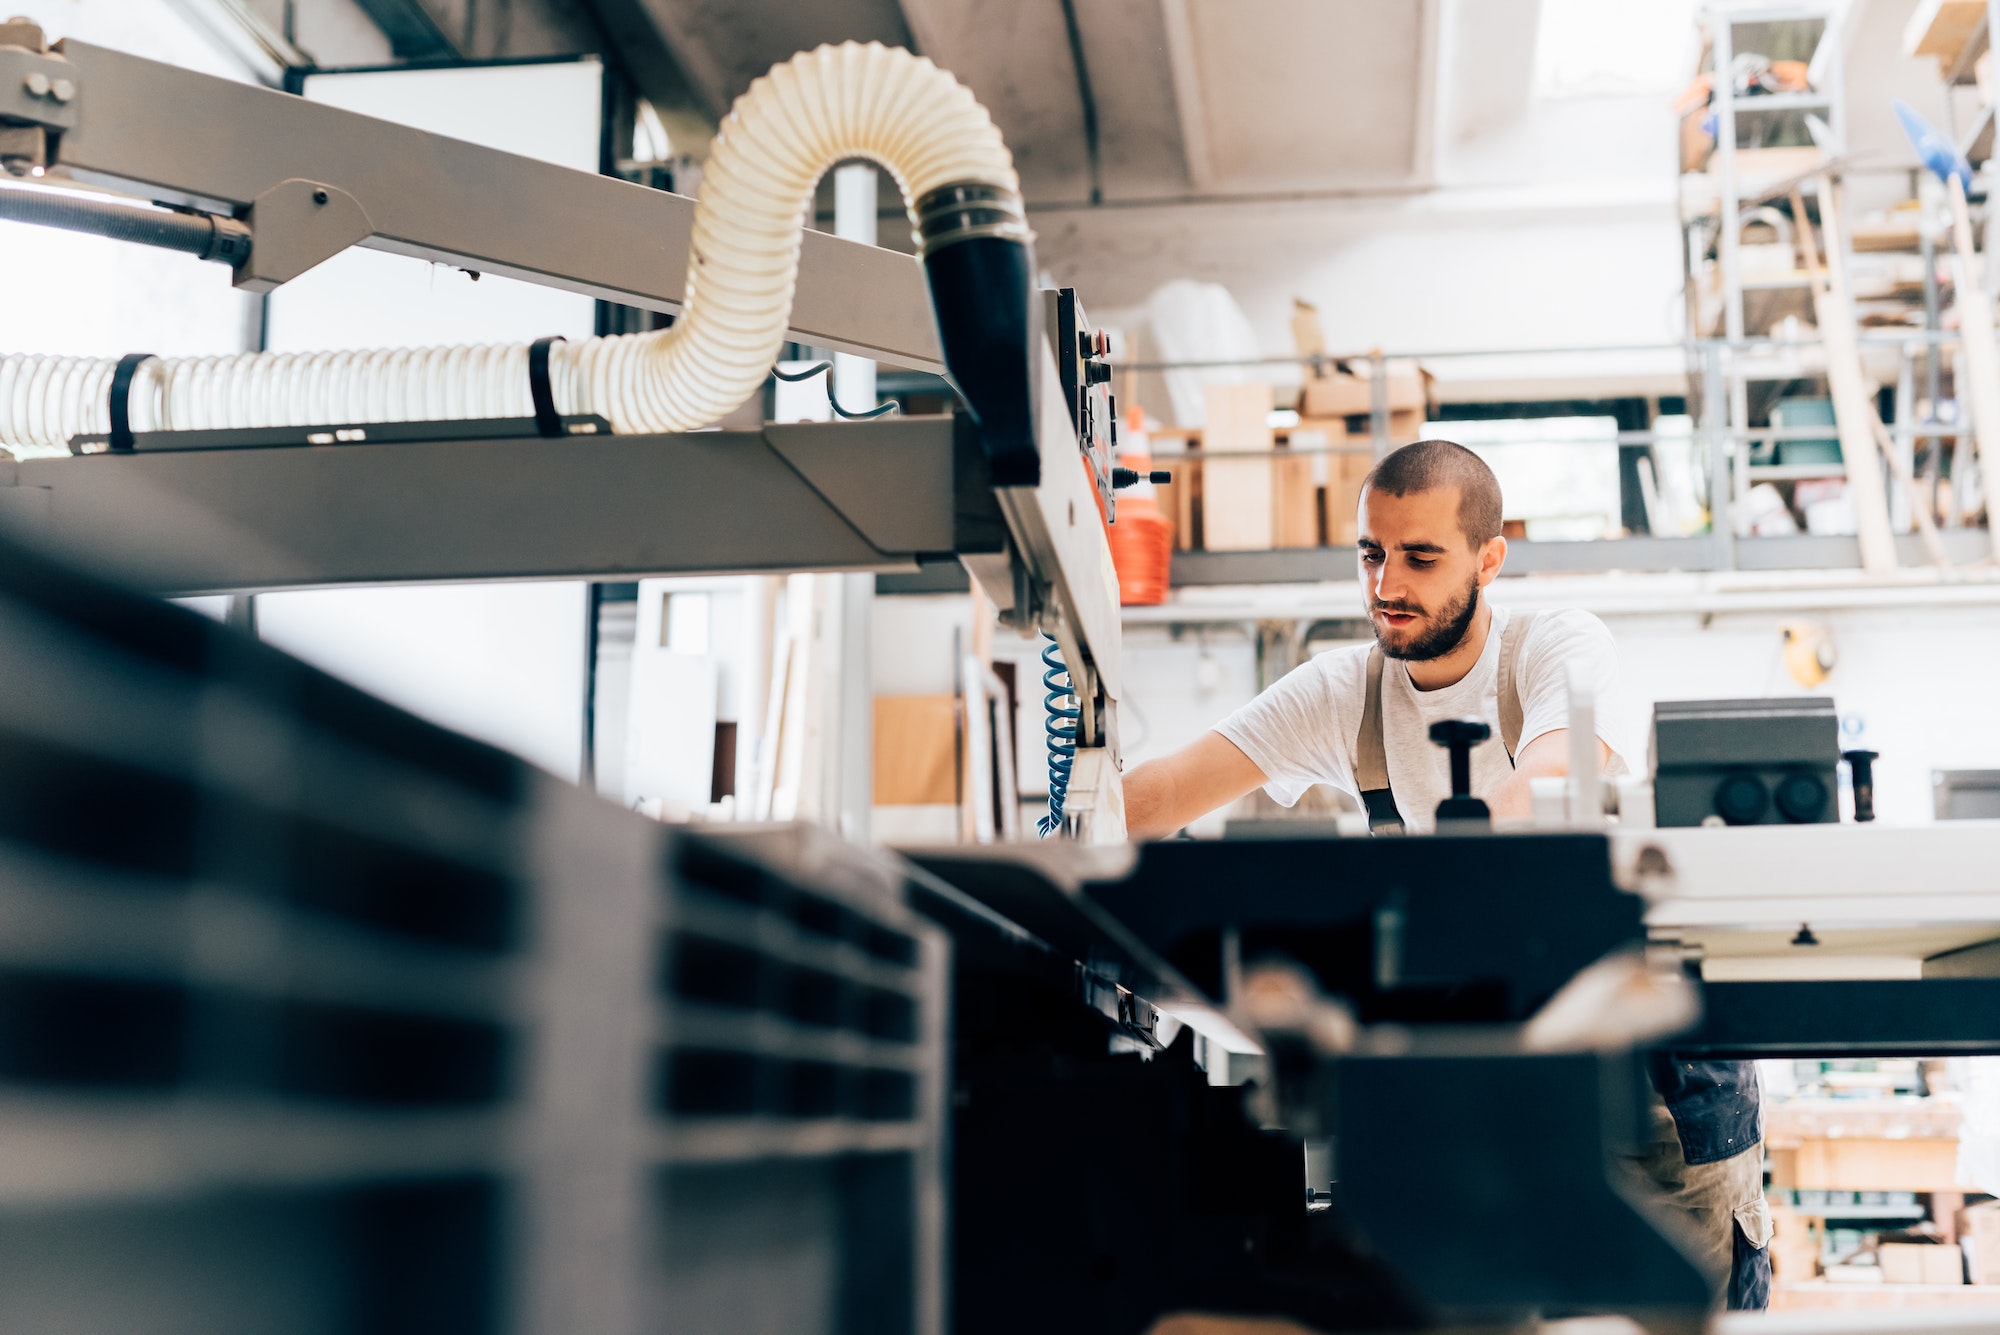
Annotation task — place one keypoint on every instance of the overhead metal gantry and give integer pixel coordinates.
(351, 504)
(261, 155)
(779, 498)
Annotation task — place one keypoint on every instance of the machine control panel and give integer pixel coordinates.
(1083, 361)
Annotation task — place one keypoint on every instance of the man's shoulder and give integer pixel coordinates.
(1563, 627)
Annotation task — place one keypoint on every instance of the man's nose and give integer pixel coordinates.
(1388, 584)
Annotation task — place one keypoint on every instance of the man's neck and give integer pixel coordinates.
(1435, 674)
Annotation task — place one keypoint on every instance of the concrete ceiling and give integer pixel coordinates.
(1112, 101)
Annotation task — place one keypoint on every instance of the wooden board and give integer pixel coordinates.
(916, 750)
(1298, 498)
(1237, 495)
(1941, 28)
(1856, 1164)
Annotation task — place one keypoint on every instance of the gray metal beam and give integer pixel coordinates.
(846, 496)
(1307, 565)
(198, 138)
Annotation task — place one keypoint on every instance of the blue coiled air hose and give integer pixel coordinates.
(1060, 727)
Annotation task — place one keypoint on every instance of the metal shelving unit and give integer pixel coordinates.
(1733, 385)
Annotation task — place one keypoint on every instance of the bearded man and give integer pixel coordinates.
(1359, 719)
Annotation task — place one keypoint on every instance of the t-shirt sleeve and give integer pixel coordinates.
(1300, 731)
(1562, 642)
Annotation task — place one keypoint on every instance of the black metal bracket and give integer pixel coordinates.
(547, 420)
(121, 399)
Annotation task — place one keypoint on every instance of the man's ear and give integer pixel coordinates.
(1492, 556)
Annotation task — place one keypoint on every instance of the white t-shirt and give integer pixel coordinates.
(1302, 731)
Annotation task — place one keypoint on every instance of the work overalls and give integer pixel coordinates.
(1704, 1152)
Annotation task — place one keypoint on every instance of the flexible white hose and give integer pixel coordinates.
(813, 111)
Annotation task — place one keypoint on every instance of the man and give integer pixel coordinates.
(1359, 720)
(1430, 544)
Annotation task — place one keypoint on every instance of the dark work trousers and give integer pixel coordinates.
(1705, 1158)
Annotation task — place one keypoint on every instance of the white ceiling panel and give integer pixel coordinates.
(1303, 95)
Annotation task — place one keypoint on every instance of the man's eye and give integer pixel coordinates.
(1370, 557)
(1421, 564)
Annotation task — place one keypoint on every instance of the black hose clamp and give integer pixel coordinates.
(121, 439)
(547, 420)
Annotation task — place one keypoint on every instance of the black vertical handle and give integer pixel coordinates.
(1862, 765)
(1461, 735)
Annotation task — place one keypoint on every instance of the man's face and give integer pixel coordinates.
(1420, 574)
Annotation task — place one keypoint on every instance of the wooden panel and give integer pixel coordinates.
(1877, 1165)
(1237, 495)
(1941, 28)
(916, 750)
(1299, 521)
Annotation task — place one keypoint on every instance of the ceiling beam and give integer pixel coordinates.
(1184, 61)
(412, 31)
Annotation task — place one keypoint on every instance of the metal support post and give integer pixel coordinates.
(854, 200)
(1378, 402)
(1902, 498)
(1721, 453)
(1723, 37)
(1927, 227)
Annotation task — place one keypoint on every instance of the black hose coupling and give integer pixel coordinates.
(979, 257)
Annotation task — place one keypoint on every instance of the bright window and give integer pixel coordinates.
(1614, 48)
(86, 296)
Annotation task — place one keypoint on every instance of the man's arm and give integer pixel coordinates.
(1163, 795)
(1546, 757)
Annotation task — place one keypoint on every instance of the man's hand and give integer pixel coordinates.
(1547, 757)
(1163, 795)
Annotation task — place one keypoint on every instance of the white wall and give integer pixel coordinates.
(503, 662)
(1916, 685)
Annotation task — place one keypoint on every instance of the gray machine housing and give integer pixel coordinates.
(1746, 762)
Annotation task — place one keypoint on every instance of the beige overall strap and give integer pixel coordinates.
(1511, 715)
(1371, 755)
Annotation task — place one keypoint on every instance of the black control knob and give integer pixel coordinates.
(1742, 799)
(1461, 735)
(1802, 797)
(1128, 477)
(1862, 765)
(1097, 373)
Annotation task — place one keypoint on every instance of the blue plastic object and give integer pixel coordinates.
(1933, 149)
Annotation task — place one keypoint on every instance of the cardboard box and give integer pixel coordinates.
(916, 750)
(1696, 143)
(1337, 477)
(1238, 496)
(1979, 1232)
(1920, 1263)
(1350, 394)
(1307, 337)
(1177, 499)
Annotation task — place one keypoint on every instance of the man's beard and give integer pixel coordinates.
(1447, 629)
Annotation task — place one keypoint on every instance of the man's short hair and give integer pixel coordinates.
(1431, 464)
